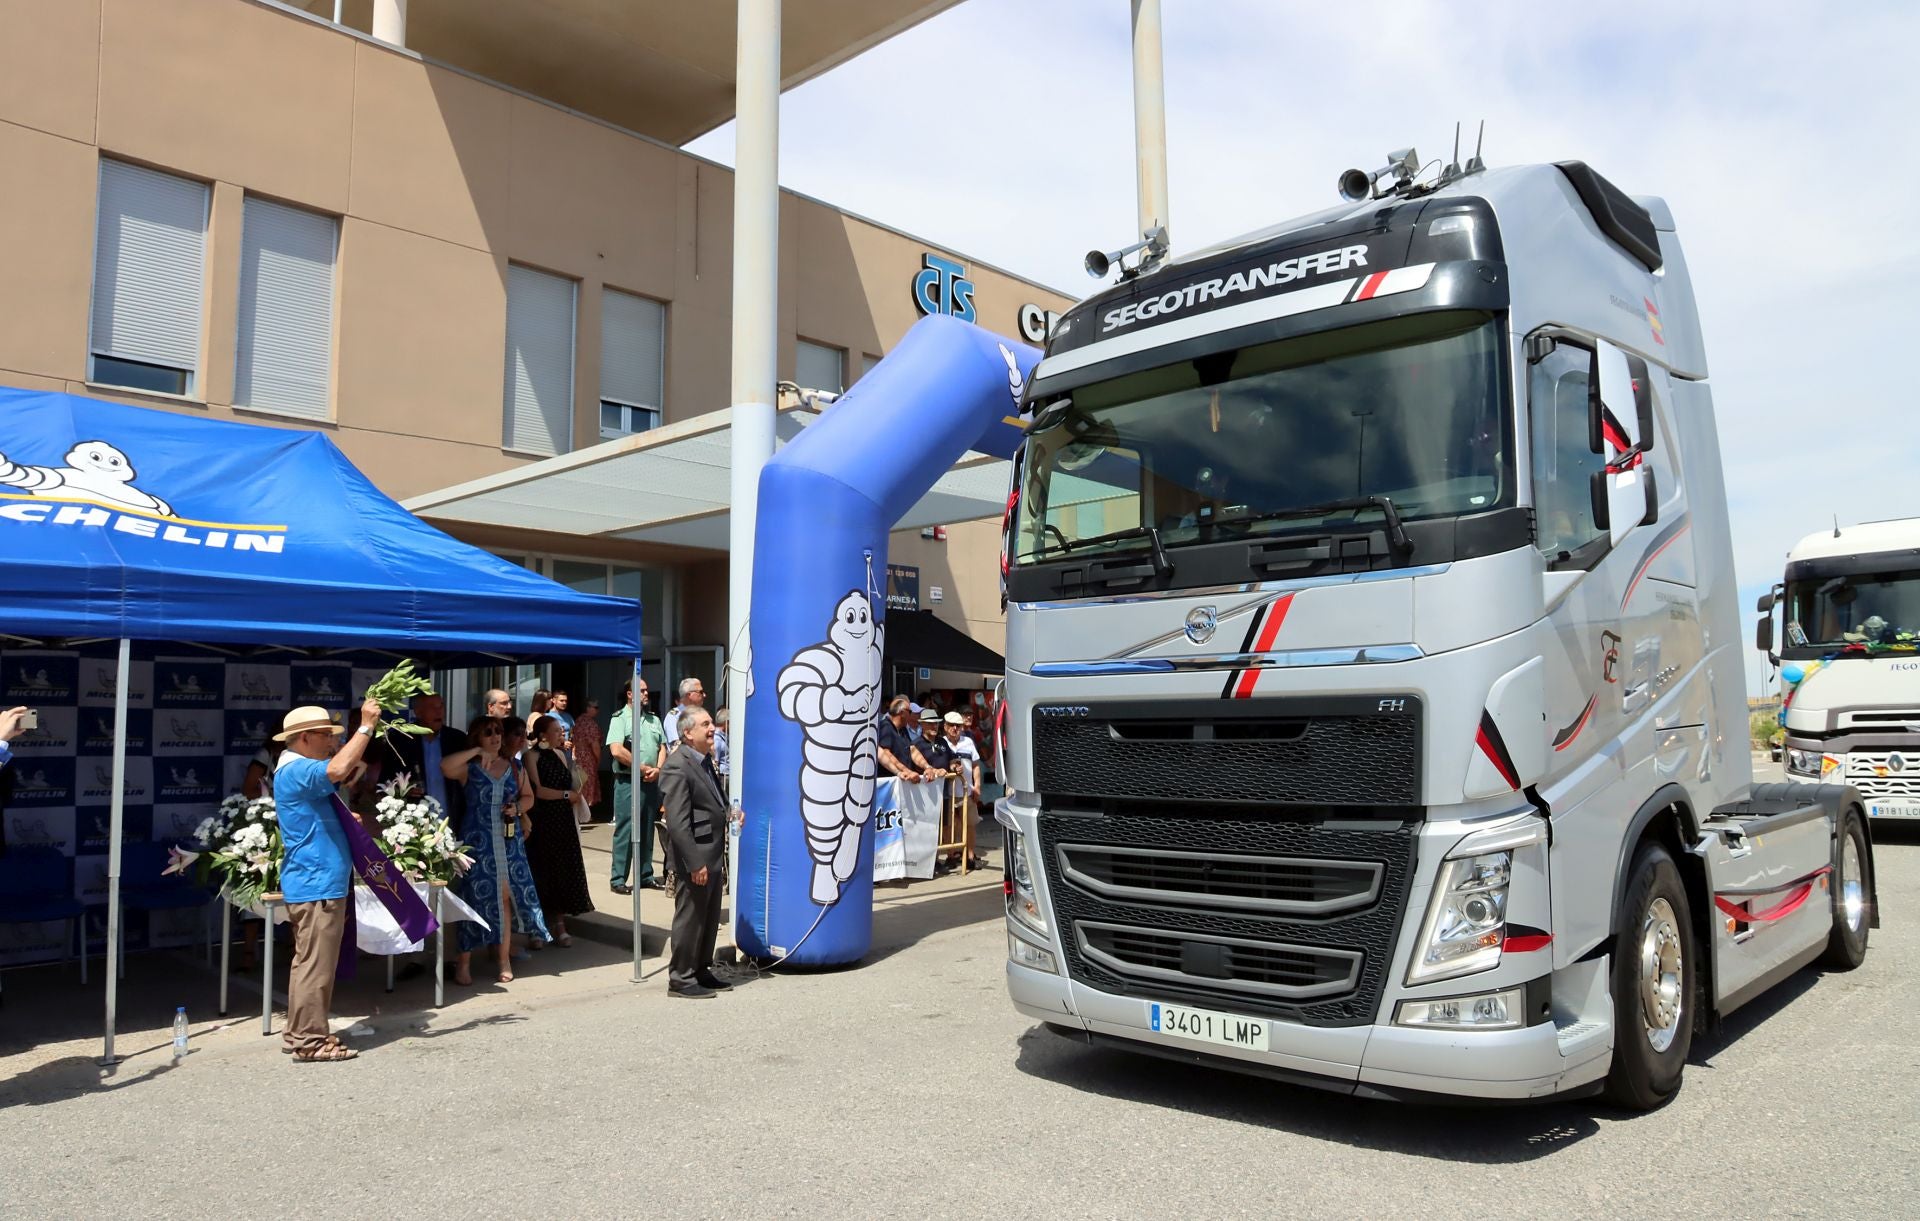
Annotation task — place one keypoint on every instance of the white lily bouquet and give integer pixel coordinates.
(239, 849)
(415, 834)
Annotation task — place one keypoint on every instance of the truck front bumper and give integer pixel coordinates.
(1378, 1060)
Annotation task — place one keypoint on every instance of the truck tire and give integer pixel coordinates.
(1653, 984)
(1852, 894)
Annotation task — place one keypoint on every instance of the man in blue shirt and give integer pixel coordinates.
(316, 869)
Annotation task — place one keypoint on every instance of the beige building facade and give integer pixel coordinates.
(391, 242)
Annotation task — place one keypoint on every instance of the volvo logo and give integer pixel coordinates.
(1063, 710)
(1202, 621)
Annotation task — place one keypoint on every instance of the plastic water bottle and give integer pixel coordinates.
(179, 1034)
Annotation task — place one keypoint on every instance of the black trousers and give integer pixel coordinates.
(696, 924)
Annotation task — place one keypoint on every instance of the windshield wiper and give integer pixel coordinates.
(1396, 532)
(1156, 549)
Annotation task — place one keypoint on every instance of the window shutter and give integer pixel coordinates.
(818, 367)
(539, 374)
(150, 249)
(633, 334)
(284, 355)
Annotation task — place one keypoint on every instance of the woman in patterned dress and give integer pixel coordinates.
(499, 885)
(589, 743)
(553, 850)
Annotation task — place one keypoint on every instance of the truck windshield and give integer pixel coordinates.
(1871, 612)
(1273, 438)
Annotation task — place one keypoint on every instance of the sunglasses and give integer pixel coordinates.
(489, 733)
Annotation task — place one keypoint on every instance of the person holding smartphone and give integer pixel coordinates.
(13, 723)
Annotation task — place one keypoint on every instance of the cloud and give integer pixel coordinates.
(1778, 133)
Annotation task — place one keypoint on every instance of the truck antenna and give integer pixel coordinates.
(1453, 167)
(1476, 165)
(1836, 525)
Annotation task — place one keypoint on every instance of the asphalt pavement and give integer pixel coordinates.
(908, 1087)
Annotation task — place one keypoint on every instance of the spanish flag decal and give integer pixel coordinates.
(1653, 320)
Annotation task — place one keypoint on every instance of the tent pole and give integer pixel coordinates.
(116, 821)
(634, 813)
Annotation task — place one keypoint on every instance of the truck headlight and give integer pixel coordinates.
(1803, 762)
(1023, 903)
(1026, 954)
(1502, 1010)
(1466, 918)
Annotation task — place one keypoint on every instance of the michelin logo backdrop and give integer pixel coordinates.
(193, 724)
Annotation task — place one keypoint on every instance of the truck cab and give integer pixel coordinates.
(1849, 662)
(1373, 657)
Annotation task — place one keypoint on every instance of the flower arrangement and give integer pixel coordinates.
(415, 834)
(239, 849)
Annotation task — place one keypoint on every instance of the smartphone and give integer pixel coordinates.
(31, 720)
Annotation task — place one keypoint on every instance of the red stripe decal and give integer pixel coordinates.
(1802, 891)
(1370, 286)
(1527, 942)
(1614, 436)
(1493, 757)
(1572, 731)
(1269, 630)
(1647, 563)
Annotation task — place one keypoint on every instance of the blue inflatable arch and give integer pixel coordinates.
(827, 502)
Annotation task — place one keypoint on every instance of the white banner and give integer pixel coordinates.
(906, 820)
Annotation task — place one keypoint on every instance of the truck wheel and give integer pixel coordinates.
(1653, 985)
(1852, 893)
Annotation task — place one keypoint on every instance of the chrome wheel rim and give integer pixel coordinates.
(1853, 890)
(1662, 999)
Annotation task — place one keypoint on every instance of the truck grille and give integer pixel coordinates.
(1321, 751)
(1266, 884)
(1873, 774)
(1290, 919)
(1259, 968)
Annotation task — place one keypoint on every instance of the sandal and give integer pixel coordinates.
(329, 1053)
(564, 941)
(506, 977)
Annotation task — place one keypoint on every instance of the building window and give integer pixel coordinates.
(284, 358)
(539, 373)
(633, 345)
(867, 364)
(149, 274)
(819, 367)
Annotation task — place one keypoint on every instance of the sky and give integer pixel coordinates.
(1779, 134)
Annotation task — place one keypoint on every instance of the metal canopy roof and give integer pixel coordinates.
(671, 485)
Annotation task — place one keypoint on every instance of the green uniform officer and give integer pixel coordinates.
(635, 734)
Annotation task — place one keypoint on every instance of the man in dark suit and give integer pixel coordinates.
(419, 756)
(697, 841)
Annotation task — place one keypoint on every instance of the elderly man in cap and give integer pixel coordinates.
(316, 869)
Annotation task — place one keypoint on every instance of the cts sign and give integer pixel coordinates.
(941, 287)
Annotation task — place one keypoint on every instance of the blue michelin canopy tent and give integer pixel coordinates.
(132, 524)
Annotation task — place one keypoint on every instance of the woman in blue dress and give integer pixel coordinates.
(499, 885)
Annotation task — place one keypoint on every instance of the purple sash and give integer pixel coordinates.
(388, 884)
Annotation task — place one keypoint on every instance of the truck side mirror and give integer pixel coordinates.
(1763, 635)
(1620, 427)
(1765, 604)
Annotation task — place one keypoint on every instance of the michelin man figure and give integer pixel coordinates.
(95, 471)
(832, 690)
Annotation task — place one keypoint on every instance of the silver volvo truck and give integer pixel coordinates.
(1374, 714)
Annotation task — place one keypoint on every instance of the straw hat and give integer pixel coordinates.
(305, 720)
(954, 718)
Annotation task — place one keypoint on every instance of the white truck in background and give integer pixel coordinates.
(1848, 652)
(1375, 712)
